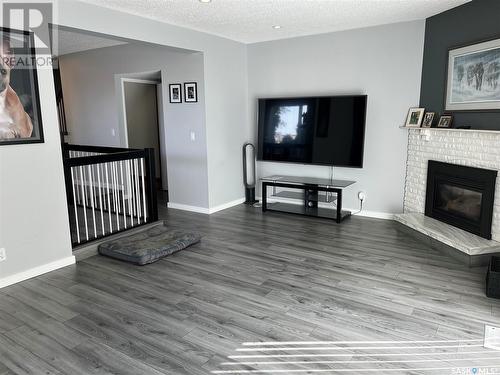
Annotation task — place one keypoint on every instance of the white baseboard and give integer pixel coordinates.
(226, 205)
(364, 213)
(185, 207)
(204, 210)
(37, 271)
(208, 211)
(373, 214)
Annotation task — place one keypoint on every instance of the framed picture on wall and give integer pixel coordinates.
(473, 82)
(414, 117)
(190, 92)
(175, 92)
(20, 116)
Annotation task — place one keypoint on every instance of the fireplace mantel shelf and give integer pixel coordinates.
(425, 130)
(461, 240)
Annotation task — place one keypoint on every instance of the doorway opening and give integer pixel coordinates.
(143, 121)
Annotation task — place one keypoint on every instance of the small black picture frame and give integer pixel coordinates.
(445, 121)
(190, 92)
(20, 83)
(175, 92)
(428, 119)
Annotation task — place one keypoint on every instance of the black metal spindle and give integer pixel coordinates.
(98, 158)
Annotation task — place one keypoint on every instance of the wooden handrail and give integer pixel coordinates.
(103, 149)
(105, 158)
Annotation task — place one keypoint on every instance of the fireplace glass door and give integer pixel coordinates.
(461, 196)
(458, 201)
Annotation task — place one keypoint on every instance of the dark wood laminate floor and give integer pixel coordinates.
(359, 297)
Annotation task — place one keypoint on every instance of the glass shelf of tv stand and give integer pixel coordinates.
(327, 197)
(325, 182)
(323, 197)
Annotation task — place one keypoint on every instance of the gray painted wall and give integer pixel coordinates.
(467, 24)
(384, 62)
(92, 93)
(34, 227)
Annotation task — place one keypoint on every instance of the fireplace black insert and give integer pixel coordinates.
(461, 196)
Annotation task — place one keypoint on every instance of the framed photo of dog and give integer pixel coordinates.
(20, 117)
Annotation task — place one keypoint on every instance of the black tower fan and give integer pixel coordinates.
(249, 173)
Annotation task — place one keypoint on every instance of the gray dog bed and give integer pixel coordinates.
(149, 245)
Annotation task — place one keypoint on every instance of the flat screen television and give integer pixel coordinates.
(326, 130)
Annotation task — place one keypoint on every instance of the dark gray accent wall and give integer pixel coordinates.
(473, 22)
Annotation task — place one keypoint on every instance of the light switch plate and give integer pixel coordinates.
(3, 254)
(492, 337)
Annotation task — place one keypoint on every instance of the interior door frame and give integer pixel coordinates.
(124, 106)
(161, 130)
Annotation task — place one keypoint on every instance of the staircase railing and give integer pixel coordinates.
(108, 189)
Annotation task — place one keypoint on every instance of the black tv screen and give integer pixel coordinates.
(313, 130)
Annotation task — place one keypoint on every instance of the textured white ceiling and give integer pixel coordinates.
(251, 21)
(71, 42)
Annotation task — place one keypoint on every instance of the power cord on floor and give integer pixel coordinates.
(360, 207)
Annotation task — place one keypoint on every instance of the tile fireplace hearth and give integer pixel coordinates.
(463, 246)
(458, 211)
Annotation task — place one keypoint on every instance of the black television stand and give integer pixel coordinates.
(307, 192)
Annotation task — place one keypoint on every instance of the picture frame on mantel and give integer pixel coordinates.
(473, 78)
(414, 118)
(428, 120)
(445, 121)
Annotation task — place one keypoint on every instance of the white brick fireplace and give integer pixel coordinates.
(474, 148)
